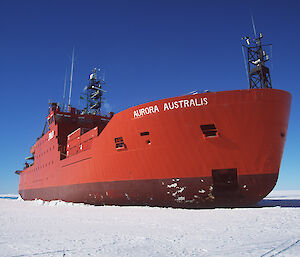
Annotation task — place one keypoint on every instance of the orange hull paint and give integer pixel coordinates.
(166, 157)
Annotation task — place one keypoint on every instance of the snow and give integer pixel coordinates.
(37, 228)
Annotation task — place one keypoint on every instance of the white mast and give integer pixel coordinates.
(64, 96)
(253, 25)
(71, 79)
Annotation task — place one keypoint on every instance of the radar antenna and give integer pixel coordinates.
(259, 74)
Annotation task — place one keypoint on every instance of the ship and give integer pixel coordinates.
(199, 150)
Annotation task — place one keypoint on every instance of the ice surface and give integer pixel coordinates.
(37, 228)
(9, 196)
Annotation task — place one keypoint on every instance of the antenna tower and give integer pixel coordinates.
(259, 74)
(94, 94)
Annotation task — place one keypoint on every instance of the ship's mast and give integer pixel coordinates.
(94, 94)
(64, 95)
(259, 74)
(71, 80)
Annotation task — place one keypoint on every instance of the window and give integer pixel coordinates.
(119, 143)
(145, 133)
(209, 130)
(51, 120)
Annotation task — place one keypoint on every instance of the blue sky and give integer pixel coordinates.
(149, 50)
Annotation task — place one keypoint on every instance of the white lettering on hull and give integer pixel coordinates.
(145, 111)
(186, 103)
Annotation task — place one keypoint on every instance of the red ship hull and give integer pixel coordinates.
(203, 150)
